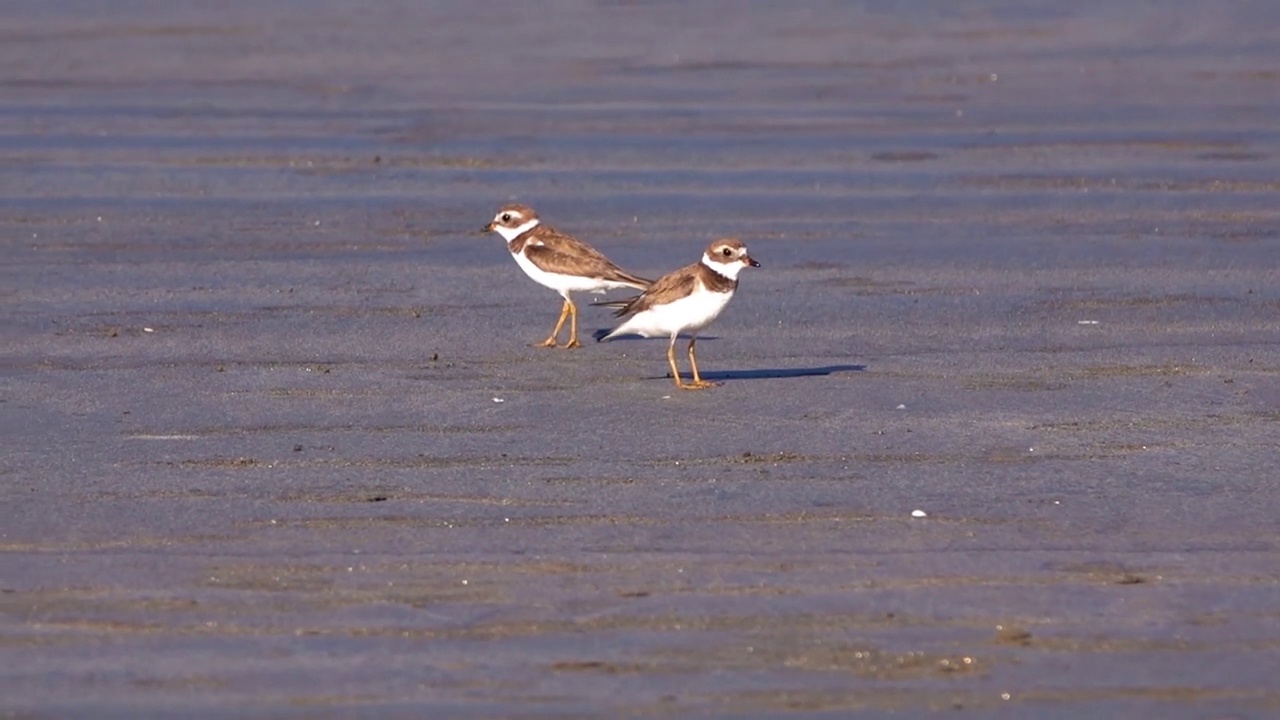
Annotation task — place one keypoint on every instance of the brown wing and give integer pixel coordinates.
(665, 289)
(567, 255)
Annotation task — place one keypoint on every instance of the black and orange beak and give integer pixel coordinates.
(487, 228)
(748, 260)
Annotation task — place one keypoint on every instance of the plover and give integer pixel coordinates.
(686, 300)
(559, 261)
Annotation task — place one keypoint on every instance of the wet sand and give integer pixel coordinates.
(276, 443)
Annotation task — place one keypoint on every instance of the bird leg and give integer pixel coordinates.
(564, 313)
(671, 358)
(573, 326)
(698, 382)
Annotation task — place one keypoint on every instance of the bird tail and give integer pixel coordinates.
(612, 303)
(620, 307)
(634, 281)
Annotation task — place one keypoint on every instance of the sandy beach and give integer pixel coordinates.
(276, 443)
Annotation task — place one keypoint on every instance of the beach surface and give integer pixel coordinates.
(276, 442)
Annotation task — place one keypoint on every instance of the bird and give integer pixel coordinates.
(685, 300)
(559, 261)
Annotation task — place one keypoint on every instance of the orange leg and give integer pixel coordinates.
(698, 382)
(675, 369)
(564, 313)
(573, 326)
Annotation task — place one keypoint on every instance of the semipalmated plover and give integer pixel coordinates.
(559, 261)
(686, 300)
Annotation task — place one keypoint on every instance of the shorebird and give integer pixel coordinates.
(686, 300)
(559, 261)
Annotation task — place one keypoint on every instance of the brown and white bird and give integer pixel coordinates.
(559, 261)
(686, 300)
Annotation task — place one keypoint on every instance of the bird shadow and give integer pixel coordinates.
(757, 374)
(778, 373)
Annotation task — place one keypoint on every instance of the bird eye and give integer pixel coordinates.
(506, 217)
(726, 252)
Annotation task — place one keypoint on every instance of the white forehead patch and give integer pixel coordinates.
(511, 233)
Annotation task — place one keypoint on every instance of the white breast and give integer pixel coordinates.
(688, 314)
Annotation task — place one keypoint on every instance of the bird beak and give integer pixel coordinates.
(747, 259)
(487, 228)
